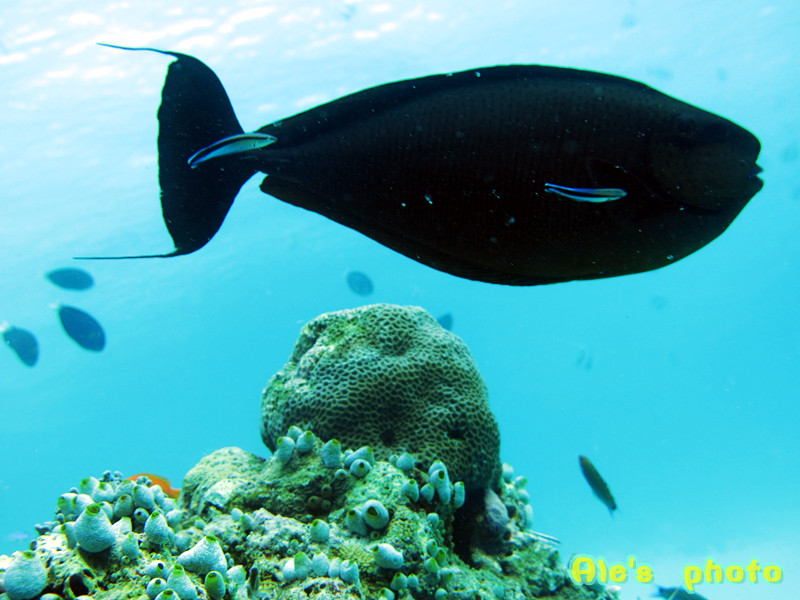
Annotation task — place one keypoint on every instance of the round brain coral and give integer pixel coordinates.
(392, 378)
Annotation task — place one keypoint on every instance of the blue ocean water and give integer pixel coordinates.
(680, 384)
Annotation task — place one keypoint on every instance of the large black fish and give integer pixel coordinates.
(517, 174)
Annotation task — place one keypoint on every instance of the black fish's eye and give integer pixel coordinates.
(685, 125)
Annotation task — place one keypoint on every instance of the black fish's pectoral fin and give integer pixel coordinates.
(586, 194)
(195, 114)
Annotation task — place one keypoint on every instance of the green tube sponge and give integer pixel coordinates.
(410, 489)
(294, 432)
(156, 568)
(320, 565)
(124, 487)
(25, 577)
(181, 584)
(215, 585)
(435, 466)
(399, 582)
(440, 481)
(140, 516)
(385, 594)
(156, 529)
(88, 485)
(427, 491)
(359, 468)
(65, 505)
(80, 502)
(155, 587)
(123, 506)
(388, 557)
(205, 556)
(348, 572)
(284, 448)
(405, 462)
(296, 568)
(130, 547)
(143, 497)
(375, 514)
(93, 531)
(354, 520)
(331, 453)
(431, 566)
(305, 442)
(169, 594)
(236, 579)
(459, 494)
(334, 567)
(104, 492)
(364, 453)
(320, 531)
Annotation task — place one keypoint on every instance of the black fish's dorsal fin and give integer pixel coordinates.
(195, 112)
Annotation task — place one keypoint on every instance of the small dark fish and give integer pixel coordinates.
(18, 536)
(22, 342)
(70, 279)
(598, 484)
(360, 283)
(677, 593)
(519, 174)
(82, 328)
(446, 321)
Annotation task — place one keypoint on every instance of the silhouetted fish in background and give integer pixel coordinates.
(598, 484)
(360, 283)
(82, 327)
(70, 279)
(22, 342)
(677, 593)
(518, 174)
(446, 321)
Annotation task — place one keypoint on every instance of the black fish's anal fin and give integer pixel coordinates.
(175, 252)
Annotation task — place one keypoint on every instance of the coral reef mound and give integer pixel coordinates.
(392, 378)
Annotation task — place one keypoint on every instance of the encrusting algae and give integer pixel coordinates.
(298, 525)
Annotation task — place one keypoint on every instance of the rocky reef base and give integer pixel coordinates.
(311, 522)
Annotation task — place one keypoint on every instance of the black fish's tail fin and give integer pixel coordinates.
(195, 113)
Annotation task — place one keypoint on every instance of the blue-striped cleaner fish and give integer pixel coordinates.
(519, 174)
